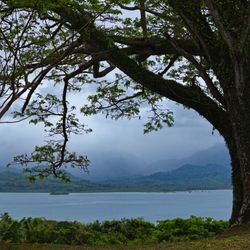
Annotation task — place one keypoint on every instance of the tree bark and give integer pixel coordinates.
(242, 141)
(236, 181)
(239, 113)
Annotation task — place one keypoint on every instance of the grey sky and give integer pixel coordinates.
(190, 134)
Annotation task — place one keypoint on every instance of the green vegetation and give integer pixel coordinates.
(230, 242)
(187, 177)
(122, 232)
(195, 53)
(17, 182)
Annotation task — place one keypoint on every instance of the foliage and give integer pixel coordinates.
(125, 231)
(187, 229)
(195, 53)
(184, 178)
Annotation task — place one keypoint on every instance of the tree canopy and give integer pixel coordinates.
(195, 53)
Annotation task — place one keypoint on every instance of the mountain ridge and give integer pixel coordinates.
(217, 154)
(116, 165)
(187, 177)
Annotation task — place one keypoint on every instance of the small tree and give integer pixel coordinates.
(195, 53)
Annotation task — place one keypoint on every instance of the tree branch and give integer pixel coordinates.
(156, 45)
(143, 18)
(244, 34)
(202, 72)
(218, 20)
(171, 63)
(192, 97)
(98, 74)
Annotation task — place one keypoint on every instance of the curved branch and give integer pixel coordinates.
(202, 72)
(190, 12)
(157, 45)
(171, 63)
(192, 97)
(217, 19)
(98, 74)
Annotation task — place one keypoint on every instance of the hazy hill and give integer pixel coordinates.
(16, 182)
(112, 165)
(207, 169)
(217, 154)
(115, 165)
(104, 165)
(187, 177)
(107, 166)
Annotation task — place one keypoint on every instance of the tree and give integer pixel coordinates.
(196, 53)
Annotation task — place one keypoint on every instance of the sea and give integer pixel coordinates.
(89, 207)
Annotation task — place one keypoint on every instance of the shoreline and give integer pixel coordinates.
(127, 191)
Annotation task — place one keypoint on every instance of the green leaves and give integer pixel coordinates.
(157, 121)
(115, 232)
(46, 161)
(123, 98)
(63, 45)
(53, 157)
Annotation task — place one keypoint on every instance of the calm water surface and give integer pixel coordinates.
(88, 207)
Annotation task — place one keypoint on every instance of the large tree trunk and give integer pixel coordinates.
(236, 181)
(242, 140)
(239, 113)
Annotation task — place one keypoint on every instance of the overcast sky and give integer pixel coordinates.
(190, 134)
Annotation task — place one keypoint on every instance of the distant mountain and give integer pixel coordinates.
(112, 165)
(217, 154)
(107, 166)
(16, 182)
(187, 177)
(103, 166)
(10, 169)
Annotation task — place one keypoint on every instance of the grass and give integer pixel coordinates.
(236, 239)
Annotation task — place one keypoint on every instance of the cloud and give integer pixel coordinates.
(190, 134)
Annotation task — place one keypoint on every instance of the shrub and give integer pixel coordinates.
(187, 229)
(125, 231)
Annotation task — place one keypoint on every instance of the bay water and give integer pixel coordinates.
(88, 207)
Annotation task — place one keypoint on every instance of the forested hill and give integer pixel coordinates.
(17, 182)
(187, 177)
